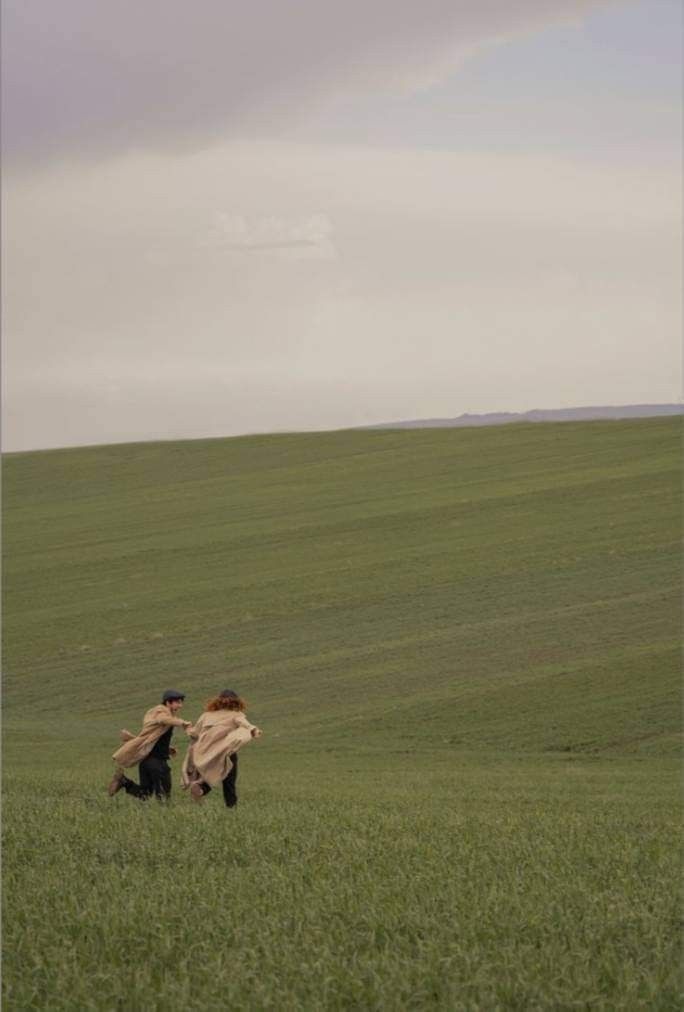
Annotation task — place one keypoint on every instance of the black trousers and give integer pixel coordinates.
(229, 782)
(155, 779)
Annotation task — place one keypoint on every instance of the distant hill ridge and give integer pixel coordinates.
(537, 415)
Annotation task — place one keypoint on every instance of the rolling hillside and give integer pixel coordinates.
(513, 589)
(462, 646)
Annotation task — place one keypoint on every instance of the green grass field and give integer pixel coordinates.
(463, 648)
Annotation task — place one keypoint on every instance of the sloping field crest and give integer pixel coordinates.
(463, 648)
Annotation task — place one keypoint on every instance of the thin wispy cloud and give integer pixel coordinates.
(308, 238)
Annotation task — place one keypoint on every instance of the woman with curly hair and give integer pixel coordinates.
(216, 738)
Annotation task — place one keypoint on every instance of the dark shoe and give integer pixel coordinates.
(116, 783)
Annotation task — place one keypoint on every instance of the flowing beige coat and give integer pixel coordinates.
(215, 737)
(155, 723)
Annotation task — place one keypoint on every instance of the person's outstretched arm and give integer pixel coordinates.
(242, 721)
(172, 721)
(162, 716)
(193, 730)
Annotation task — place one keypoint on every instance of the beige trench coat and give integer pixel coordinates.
(215, 737)
(155, 723)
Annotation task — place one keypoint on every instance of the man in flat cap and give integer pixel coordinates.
(150, 750)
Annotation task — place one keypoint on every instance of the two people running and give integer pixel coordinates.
(211, 758)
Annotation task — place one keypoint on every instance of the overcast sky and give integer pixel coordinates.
(223, 217)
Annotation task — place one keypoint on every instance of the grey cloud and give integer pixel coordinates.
(449, 293)
(84, 75)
